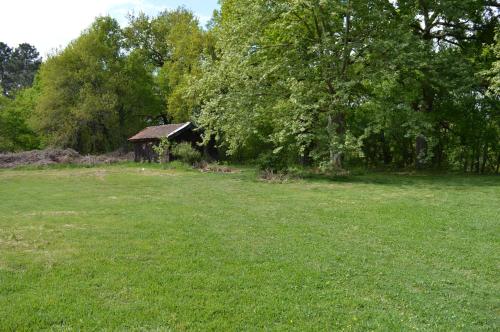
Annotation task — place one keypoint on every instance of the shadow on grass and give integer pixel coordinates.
(401, 179)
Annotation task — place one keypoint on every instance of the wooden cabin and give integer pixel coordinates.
(145, 140)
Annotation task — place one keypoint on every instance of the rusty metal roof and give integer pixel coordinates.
(157, 132)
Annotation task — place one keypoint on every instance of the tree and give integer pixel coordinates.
(18, 67)
(15, 133)
(447, 37)
(92, 95)
(172, 43)
(403, 83)
(5, 54)
(380, 81)
(17, 100)
(492, 74)
(289, 75)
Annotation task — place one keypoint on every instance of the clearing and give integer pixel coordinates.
(121, 248)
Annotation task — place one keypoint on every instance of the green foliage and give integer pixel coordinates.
(329, 84)
(17, 68)
(92, 96)
(5, 55)
(162, 149)
(379, 82)
(272, 162)
(15, 133)
(493, 73)
(17, 99)
(186, 153)
(172, 43)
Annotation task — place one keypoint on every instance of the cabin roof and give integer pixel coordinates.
(158, 132)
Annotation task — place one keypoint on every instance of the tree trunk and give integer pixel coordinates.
(485, 158)
(466, 163)
(498, 163)
(421, 151)
(477, 159)
(386, 153)
(336, 127)
(330, 133)
(439, 153)
(471, 166)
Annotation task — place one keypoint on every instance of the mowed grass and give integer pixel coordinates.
(120, 248)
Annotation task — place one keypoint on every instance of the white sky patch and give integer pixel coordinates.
(52, 24)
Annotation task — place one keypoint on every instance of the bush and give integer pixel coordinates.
(162, 150)
(186, 153)
(272, 162)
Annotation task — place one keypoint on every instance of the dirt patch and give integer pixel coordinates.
(59, 156)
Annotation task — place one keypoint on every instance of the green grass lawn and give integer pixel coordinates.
(118, 248)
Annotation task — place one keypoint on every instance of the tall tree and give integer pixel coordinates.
(18, 67)
(290, 74)
(390, 81)
(17, 99)
(448, 37)
(92, 95)
(172, 43)
(5, 54)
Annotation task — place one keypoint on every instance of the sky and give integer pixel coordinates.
(52, 24)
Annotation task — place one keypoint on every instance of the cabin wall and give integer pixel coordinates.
(143, 151)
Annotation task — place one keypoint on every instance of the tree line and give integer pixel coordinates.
(18, 67)
(332, 84)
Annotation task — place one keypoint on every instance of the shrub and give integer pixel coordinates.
(162, 150)
(272, 162)
(331, 169)
(186, 153)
